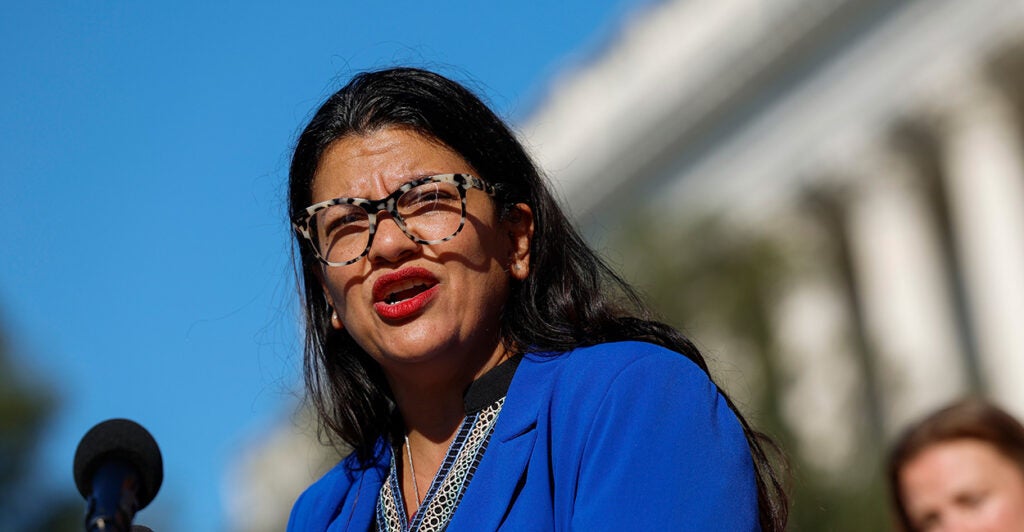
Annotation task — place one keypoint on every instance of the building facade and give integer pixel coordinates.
(879, 143)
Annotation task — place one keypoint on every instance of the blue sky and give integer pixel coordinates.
(145, 270)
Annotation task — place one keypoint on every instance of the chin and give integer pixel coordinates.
(417, 347)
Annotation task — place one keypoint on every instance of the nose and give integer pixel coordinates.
(390, 244)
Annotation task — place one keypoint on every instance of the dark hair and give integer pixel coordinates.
(971, 418)
(570, 298)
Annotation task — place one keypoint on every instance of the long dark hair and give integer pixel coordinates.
(571, 298)
(972, 419)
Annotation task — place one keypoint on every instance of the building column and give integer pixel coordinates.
(823, 403)
(897, 261)
(984, 173)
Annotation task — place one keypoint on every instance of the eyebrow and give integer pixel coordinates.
(390, 191)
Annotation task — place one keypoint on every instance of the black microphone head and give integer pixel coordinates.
(120, 439)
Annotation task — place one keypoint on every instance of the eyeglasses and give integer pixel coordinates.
(429, 210)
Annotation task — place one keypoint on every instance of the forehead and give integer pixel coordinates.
(952, 465)
(374, 164)
(944, 459)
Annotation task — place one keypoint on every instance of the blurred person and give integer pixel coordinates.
(487, 368)
(960, 469)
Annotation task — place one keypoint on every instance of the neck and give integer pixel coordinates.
(430, 400)
(429, 396)
(432, 414)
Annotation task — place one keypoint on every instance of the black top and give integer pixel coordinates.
(491, 386)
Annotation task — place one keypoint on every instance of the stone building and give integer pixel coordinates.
(885, 133)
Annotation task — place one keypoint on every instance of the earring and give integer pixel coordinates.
(335, 321)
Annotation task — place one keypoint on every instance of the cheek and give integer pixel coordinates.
(340, 289)
(348, 308)
(1007, 506)
(482, 284)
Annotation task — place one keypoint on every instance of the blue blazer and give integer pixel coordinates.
(618, 436)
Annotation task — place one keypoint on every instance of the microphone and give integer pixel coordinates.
(118, 469)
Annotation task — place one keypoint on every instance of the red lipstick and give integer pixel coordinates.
(404, 293)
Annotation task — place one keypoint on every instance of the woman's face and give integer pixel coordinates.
(963, 484)
(408, 304)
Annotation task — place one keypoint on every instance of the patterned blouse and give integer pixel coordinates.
(483, 401)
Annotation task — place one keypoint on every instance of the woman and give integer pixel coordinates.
(486, 367)
(962, 468)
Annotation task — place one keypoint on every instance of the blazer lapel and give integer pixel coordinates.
(359, 507)
(491, 492)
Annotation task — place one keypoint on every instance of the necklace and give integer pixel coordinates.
(412, 471)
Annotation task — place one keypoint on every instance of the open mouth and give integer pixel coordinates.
(402, 294)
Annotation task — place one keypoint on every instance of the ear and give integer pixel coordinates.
(519, 223)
